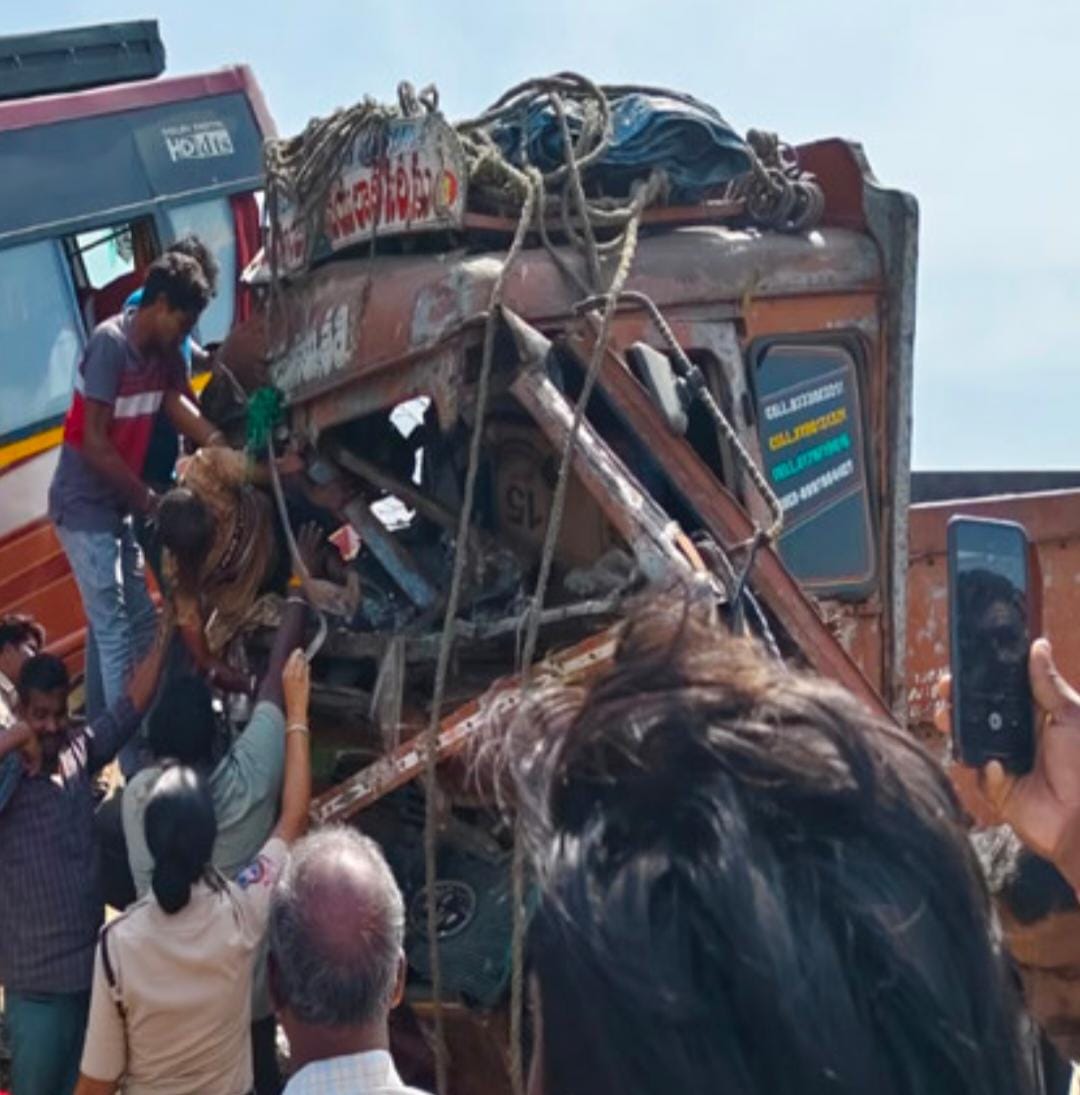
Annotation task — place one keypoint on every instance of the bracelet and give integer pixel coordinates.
(297, 727)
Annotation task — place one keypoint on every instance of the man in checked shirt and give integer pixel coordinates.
(50, 897)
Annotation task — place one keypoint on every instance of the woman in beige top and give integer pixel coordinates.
(171, 1000)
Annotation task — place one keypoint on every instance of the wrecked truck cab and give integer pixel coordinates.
(804, 341)
(742, 367)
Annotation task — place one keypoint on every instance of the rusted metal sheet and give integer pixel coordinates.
(456, 732)
(648, 531)
(1052, 521)
(356, 317)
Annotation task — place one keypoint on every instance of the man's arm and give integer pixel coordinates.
(89, 1086)
(1042, 806)
(187, 419)
(15, 738)
(289, 633)
(217, 671)
(107, 735)
(102, 455)
(296, 794)
(101, 369)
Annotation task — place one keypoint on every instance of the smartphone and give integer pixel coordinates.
(992, 621)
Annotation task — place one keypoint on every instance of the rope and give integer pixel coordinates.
(698, 389)
(529, 183)
(644, 196)
(776, 193)
(283, 514)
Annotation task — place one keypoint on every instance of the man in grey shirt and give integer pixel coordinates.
(130, 371)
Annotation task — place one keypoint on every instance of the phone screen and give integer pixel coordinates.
(989, 593)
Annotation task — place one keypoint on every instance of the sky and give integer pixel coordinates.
(969, 106)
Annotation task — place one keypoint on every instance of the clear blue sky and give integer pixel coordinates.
(970, 106)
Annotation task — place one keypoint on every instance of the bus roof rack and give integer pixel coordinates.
(80, 57)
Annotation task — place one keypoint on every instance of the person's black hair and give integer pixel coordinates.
(17, 629)
(42, 673)
(1027, 886)
(186, 527)
(750, 885)
(194, 248)
(182, 724)
(180, 829)
(223, 405)
(180, 280)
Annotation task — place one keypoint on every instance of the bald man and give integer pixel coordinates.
(337, 964)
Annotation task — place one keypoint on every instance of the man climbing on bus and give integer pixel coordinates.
(163, 448)
(131, 368)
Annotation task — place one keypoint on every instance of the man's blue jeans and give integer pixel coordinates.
(46, 1033)
(111, 577)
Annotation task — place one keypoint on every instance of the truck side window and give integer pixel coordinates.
(810, 425)
(40, 337)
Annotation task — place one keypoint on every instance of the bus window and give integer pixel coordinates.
(108, 265)
(40, 337)
(212, 222)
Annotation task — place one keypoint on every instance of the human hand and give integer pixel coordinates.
(296, 683)
(290, 462)
(16, 738)
(1043, 806)
(32, 755)
(333, 496)
(309, 542)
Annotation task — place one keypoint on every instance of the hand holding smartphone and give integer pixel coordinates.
(993, 617)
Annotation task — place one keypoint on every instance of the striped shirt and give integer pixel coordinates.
(50, 896)
(111, 371)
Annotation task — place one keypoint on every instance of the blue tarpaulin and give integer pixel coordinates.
(687, 139)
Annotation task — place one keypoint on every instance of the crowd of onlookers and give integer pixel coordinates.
(743, 882)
